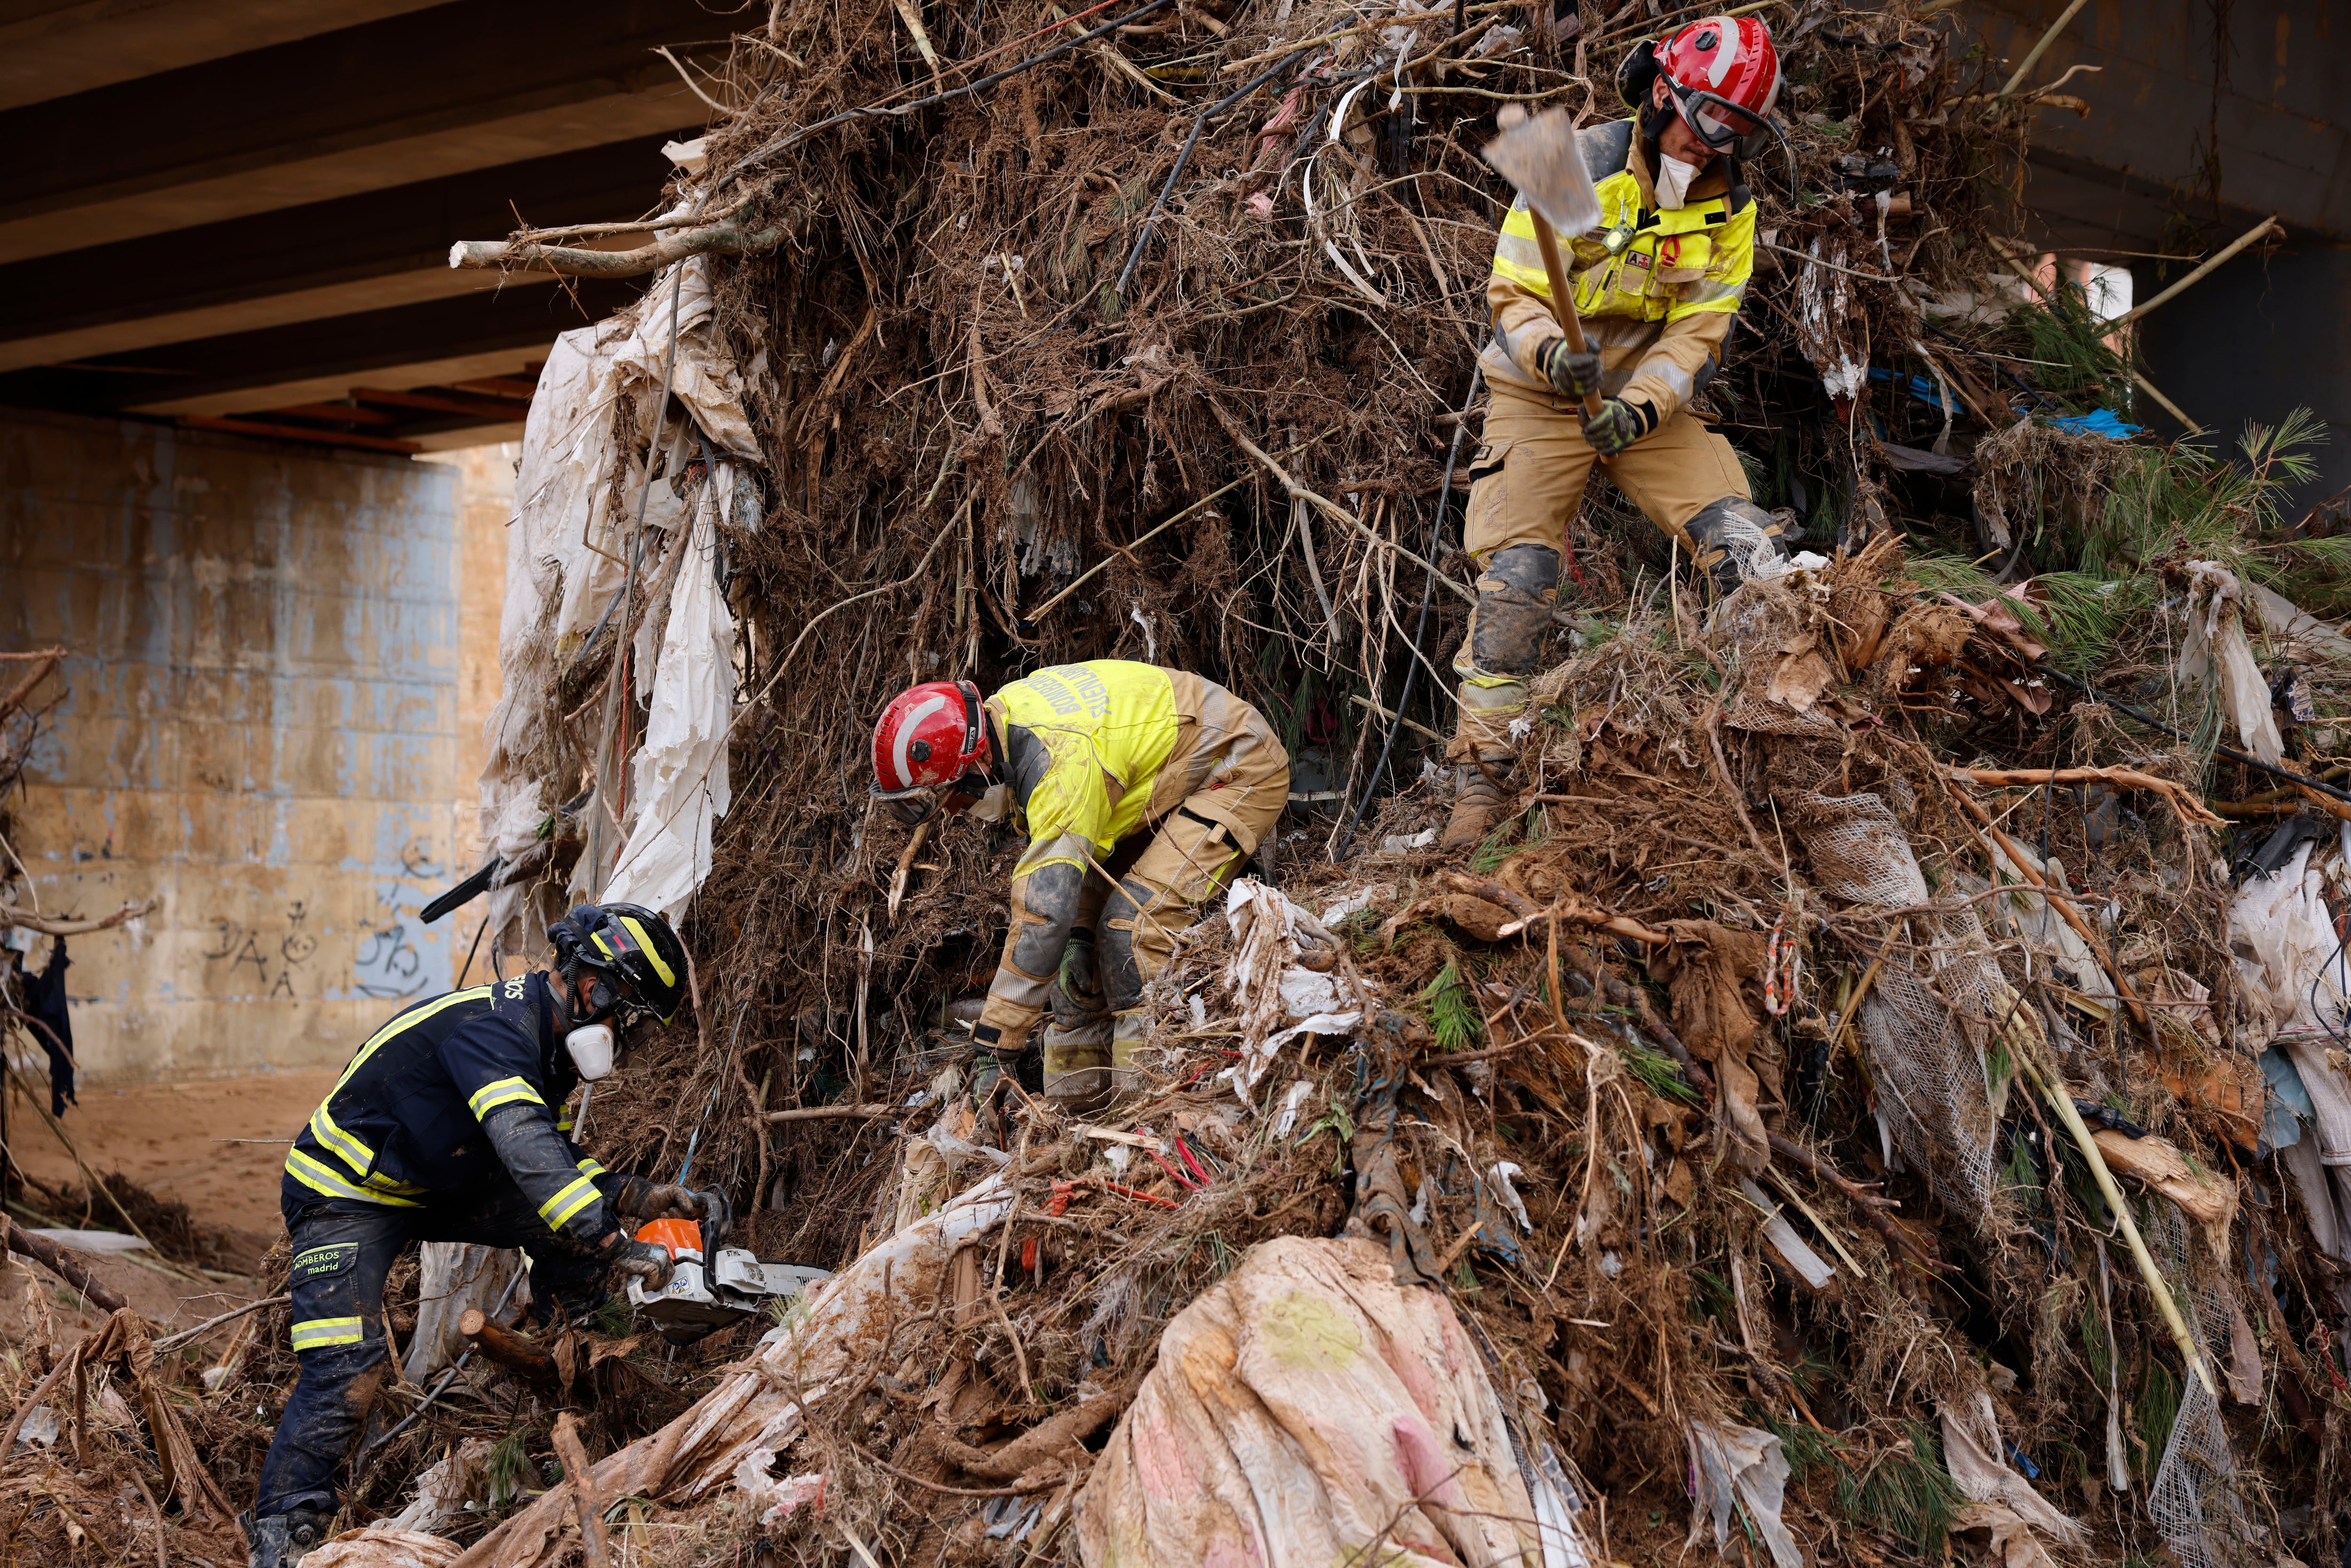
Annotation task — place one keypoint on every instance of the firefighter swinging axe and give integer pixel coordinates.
(1539, 155)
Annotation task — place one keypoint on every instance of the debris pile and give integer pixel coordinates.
(1872, 1100)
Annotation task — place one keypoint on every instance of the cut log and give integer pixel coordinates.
(522, 1356)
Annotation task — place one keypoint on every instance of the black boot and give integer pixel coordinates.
(283, 1538)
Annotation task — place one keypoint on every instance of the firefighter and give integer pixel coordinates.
(444, 1127)
(1141, 790)
(1658, 284)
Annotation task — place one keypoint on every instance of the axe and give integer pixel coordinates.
(1539, 155)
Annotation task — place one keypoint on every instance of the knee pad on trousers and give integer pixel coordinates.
(1122, 967)
(1736, 540)
(1515, 594)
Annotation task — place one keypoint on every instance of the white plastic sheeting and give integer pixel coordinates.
(679, 786)
(1308, 1410)
(1731, 1464)
(580, 486)
(2005, 1501)
(2296, 979)
(1270, 986)
(2217, 653)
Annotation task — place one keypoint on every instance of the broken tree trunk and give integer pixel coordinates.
(54, 1258)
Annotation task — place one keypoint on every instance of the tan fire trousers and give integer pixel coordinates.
(1525, 484)
(1192, 856)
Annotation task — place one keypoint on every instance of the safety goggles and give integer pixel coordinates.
(1718, 123)
(609, 999)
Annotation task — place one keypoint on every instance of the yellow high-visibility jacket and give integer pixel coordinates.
(1126, 743)
(1657, 310)
(1096, 752)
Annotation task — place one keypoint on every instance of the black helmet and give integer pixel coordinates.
(633, 945)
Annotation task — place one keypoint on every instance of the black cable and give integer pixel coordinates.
(2338, 1036)
(1136, 257)
(2048, 801)
(1420, 626)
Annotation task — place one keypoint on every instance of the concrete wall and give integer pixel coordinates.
(2250, 90)
(263, 732)
(485, 476)
(2258, 339)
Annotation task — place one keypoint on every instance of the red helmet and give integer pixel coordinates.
(1723, 75)
(929, 736)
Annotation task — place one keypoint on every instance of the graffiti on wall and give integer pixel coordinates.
(269, 964)
(276, 962)
(389, 966)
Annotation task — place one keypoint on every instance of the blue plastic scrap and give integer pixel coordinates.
(2104, 422)
(2289, 1105)
(1925, 390)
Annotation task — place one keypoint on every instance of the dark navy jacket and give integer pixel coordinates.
(447, 1095)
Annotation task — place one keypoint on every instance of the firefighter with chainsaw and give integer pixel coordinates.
(1658, 283)
(1142, 790)
(451, 1125)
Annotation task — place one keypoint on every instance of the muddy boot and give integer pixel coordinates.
(1477, 802)
(1077, 1067)
(1125, 1052)
(1736, 543)
(282, 1540)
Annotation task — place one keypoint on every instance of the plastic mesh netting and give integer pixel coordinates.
(2194, 1504)
(1924, 1021)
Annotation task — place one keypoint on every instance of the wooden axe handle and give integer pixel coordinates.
(1563, 300)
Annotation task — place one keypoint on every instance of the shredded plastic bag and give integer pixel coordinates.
(1743, 1465)
(2217, 653)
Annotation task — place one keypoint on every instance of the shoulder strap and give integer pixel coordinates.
(1605, 147)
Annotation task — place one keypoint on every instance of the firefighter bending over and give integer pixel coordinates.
(1142, 790)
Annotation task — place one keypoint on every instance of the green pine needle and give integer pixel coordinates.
(1451, 1011)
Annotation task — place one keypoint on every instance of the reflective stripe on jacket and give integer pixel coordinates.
(1658, 310)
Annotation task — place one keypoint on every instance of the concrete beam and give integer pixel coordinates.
(370, 252)
(2251, 91)
(49, 49)
(471, 335)
(458, 87)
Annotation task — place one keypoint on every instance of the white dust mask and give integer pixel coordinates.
(1673, 182)
(993, 804)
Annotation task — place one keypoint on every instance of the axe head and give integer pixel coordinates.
(1539, 155)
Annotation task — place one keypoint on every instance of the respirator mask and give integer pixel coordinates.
(1673, 182)
(595, 1044)
(994, 804)
(592, 1046)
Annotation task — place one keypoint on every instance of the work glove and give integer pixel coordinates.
(988, 1074)
(646, 1260)
(1617, 425)
(1571, 375)
(642, 1200)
